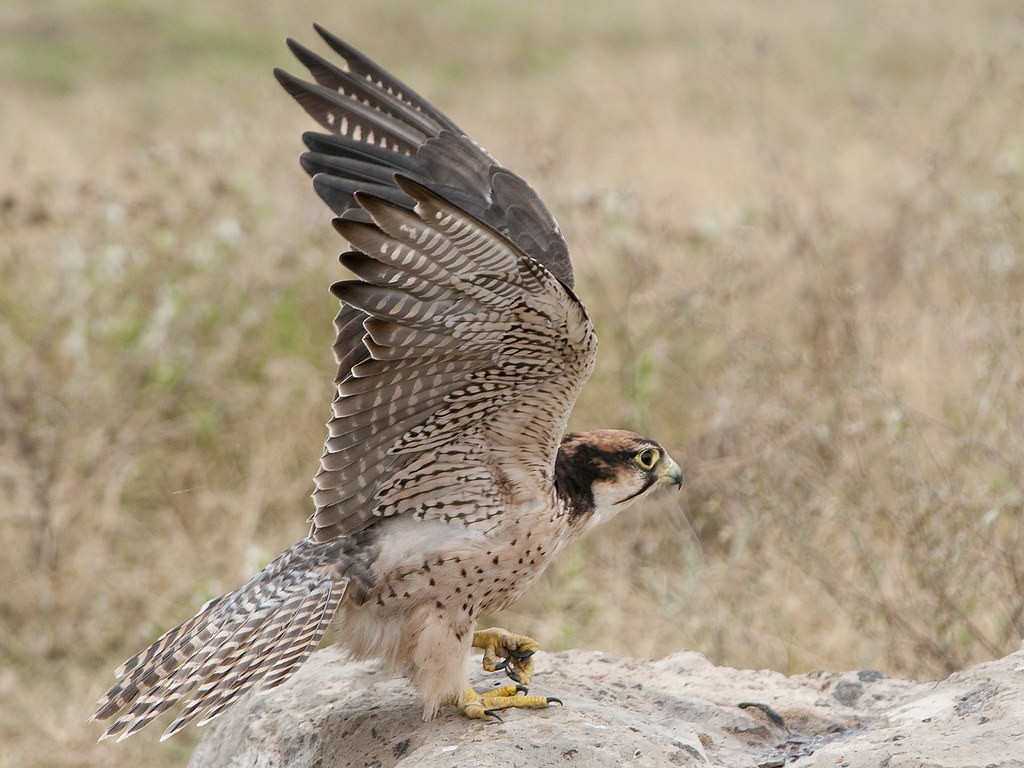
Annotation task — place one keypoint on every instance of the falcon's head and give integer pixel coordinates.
(600, 473)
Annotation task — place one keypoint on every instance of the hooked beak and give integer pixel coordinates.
(670, 472)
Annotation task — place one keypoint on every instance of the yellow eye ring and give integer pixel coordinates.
(647, 458)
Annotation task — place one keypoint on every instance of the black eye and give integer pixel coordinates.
(647, 458)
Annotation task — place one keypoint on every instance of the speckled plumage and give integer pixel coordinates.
(445, 486)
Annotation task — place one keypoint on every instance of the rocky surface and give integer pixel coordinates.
(679, 711)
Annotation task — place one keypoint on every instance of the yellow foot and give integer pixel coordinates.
(480, 706)
(504, 650)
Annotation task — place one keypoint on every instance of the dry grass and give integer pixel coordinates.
(798, 233)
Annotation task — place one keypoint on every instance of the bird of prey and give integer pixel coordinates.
(446, 485)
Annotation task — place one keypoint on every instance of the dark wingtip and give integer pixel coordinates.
(294, 46)
(288, 81)
(335, 42)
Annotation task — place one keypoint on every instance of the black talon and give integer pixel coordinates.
(520, 655)
(495, 715)
(553, 700)
(522, 689)
(502, 664)
(514, 675)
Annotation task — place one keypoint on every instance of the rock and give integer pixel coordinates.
(679, 711)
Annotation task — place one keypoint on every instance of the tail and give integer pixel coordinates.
(257, 635)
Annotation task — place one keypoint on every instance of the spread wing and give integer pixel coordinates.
(461, 346)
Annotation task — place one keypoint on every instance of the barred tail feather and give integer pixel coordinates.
(257, 635)
(274, 655)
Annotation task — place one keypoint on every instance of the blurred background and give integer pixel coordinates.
(797, 226)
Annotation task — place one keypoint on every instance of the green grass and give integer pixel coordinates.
(799, 236)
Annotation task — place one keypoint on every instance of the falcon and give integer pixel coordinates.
(446, 484)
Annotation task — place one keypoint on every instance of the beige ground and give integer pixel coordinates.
(798, 231)
(680, 710)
